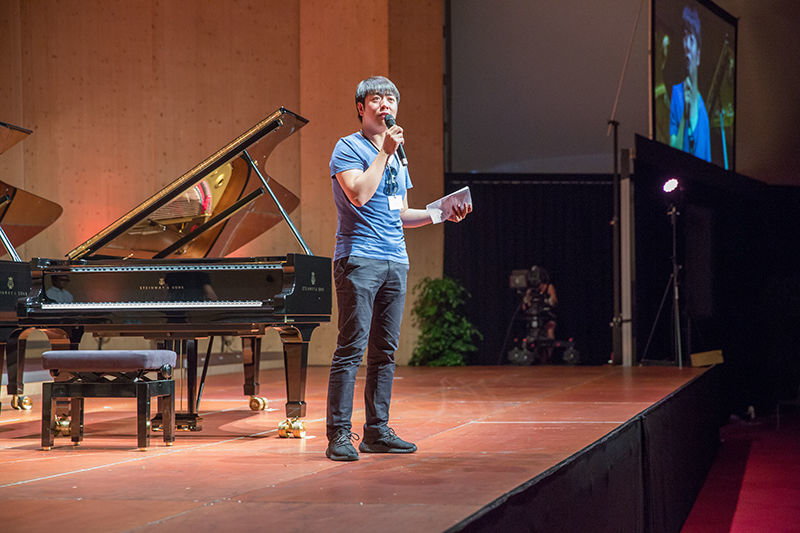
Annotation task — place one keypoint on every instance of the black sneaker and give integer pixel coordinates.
(340, 448)
(387, 442)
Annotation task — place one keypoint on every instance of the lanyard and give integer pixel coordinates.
(390, 186)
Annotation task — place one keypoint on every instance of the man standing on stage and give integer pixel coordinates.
(370, 268)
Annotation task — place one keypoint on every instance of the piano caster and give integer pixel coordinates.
(292, 428)
(21, 403)
(61, 426)
(257, 403)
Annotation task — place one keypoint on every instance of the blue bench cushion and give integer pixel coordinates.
(107, 360)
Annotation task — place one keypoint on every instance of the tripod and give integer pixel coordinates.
(535, 345)
(672, 283)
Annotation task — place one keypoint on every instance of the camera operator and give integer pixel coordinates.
(538, 303)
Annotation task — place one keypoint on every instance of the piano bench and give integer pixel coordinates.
(108, 374)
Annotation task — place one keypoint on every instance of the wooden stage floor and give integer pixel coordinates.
(481, 432)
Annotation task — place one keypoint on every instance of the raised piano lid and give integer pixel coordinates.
(166, 224)
(11, 135)
(22, 214)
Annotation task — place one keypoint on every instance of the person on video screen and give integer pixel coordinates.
(688, 122)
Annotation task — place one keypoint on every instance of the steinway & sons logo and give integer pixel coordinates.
(162, 285)
(10, 289)
(313, 288)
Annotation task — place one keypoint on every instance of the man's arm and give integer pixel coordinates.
(679, 110)
(359, 186)
(552, 298)
(414, 218)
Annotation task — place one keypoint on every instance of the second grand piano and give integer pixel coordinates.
(161, 272)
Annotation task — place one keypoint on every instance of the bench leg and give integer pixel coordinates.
(47, 416)
(168, 415)
(143, 415)
(76, 422)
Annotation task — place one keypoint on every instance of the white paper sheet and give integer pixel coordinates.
(442, 209)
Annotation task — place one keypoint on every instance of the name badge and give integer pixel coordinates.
(395, 202)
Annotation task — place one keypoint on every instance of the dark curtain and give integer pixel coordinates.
(560, 223)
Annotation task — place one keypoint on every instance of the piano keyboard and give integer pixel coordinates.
(175, 268)
(78, 306)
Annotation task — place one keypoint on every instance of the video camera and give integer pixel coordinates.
(529, 278)
(530, 281)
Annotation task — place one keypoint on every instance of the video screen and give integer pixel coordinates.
(694, 79)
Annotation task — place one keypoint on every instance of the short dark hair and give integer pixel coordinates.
(375, 85)
(691, 23)
(538, 275)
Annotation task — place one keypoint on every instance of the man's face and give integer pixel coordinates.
(377, 106)
(691, 50)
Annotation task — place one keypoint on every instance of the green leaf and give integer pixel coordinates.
(445, 333)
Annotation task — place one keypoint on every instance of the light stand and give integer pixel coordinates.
(674, 284)
(616, 251)
(676, 299)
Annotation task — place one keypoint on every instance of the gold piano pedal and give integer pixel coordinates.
(21, 403)
(61, 426)
(188, 422)
(183, 422)
(292, 428)
(258, 403)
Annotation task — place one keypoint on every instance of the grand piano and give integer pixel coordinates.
(161, 272)
(22, 216)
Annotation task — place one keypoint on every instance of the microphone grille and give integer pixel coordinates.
(388, 120)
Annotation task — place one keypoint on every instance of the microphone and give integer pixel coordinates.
(401, 152)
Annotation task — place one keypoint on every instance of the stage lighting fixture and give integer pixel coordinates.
(671, 185)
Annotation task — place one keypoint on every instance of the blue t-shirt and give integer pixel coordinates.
(373, 230)
(697, 142)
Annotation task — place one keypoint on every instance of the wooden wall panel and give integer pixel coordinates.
(11, 167)
(10, 63)
(341, 43)
(416, 65)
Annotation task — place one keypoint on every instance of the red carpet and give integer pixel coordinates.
(754, 484)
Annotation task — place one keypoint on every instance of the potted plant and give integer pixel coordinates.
(445, 333)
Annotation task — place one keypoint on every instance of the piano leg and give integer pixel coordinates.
(251, 360)
(189, 420)
(295, 341)
(15, 365)
(2, 363)
(190, 349)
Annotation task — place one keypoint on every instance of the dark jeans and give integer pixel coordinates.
(371, 294)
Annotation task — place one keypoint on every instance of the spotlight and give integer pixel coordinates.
(671, 185)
